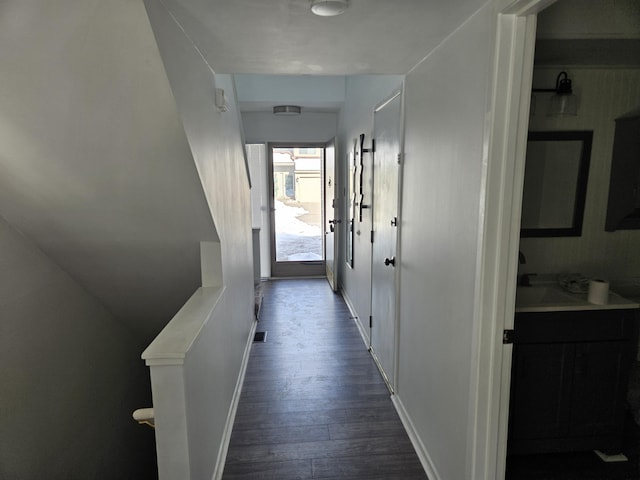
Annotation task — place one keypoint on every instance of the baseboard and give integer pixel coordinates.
(383, 374)
(421, 451)
(356, 319)
(231, 415)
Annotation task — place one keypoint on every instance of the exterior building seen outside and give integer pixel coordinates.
(297, 186)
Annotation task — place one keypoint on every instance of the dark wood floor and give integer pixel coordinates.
(313, 404)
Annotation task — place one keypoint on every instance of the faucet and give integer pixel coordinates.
(524, 279)
(521, 258)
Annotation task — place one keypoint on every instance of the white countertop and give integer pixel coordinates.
(552, 298)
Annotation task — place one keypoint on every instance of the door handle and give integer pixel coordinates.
(390, 261)
(335, 222)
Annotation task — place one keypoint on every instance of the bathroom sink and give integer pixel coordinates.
(551, 297)
(543, 295)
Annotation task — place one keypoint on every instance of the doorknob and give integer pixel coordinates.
(390, 261)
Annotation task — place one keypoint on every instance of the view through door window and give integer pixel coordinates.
(297, 190)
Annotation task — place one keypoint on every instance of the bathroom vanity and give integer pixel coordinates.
(571, 362)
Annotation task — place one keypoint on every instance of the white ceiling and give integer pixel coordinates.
(284, 37)
(262, 38)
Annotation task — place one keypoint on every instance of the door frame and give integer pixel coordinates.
(392, 383)
(333, 211)
(499, 239)
(305, 268)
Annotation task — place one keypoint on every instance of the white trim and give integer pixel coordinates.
(398, 282)
(499, 240)
(356, 318)
(387, 101)
(372, 352)
(171, 345)
(421, 451)
(391, 385)
(231, 415)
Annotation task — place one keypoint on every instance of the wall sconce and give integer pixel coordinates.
(563, 101)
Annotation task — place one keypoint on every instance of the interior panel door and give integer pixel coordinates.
(386, 168)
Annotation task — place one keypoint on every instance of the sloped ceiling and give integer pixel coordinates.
(94, 163)
(284, 37)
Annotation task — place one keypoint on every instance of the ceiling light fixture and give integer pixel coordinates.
(286, 110)
(563, 102)
(329, 8)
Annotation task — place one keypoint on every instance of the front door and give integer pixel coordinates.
(384, 261)
(297, 225)
(331, 213)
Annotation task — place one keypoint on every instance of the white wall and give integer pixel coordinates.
(257, 155)
(364, 93)
(216, 357)
(311, 91)
(93, 163)
(604, 95)
(446, 110)
(70, 374)
(571, 19)
(263, 127)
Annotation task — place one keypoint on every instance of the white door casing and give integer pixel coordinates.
(499, 240)
(384, 263)
(331, 220)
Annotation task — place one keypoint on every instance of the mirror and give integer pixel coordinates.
(555, 183)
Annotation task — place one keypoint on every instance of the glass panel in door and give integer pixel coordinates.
(297, 209)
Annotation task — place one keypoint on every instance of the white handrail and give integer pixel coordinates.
(144, 416)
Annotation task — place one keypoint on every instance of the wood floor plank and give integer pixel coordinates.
(293, 470)
(364, 468)
(313, 403)
(359, 447)
(386, 428)
(281, 434)
(263, 420)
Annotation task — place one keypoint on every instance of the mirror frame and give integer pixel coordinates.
(575, 229)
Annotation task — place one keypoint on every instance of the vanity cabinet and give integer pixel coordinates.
(569, 380)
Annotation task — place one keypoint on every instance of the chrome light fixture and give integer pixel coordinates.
(329, 8)
(286, 110)
(563, 102)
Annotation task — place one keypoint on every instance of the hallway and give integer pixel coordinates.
(313, 404)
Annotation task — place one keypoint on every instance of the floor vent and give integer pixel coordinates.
(260, 337)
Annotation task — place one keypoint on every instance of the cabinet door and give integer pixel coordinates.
(599, 385)
(540, 392)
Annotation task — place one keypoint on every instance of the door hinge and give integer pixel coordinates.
(399, 158)
(371, 236)
(370, 321)
(508, 336)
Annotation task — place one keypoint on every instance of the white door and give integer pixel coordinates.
(331, 213)
(384, 264)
